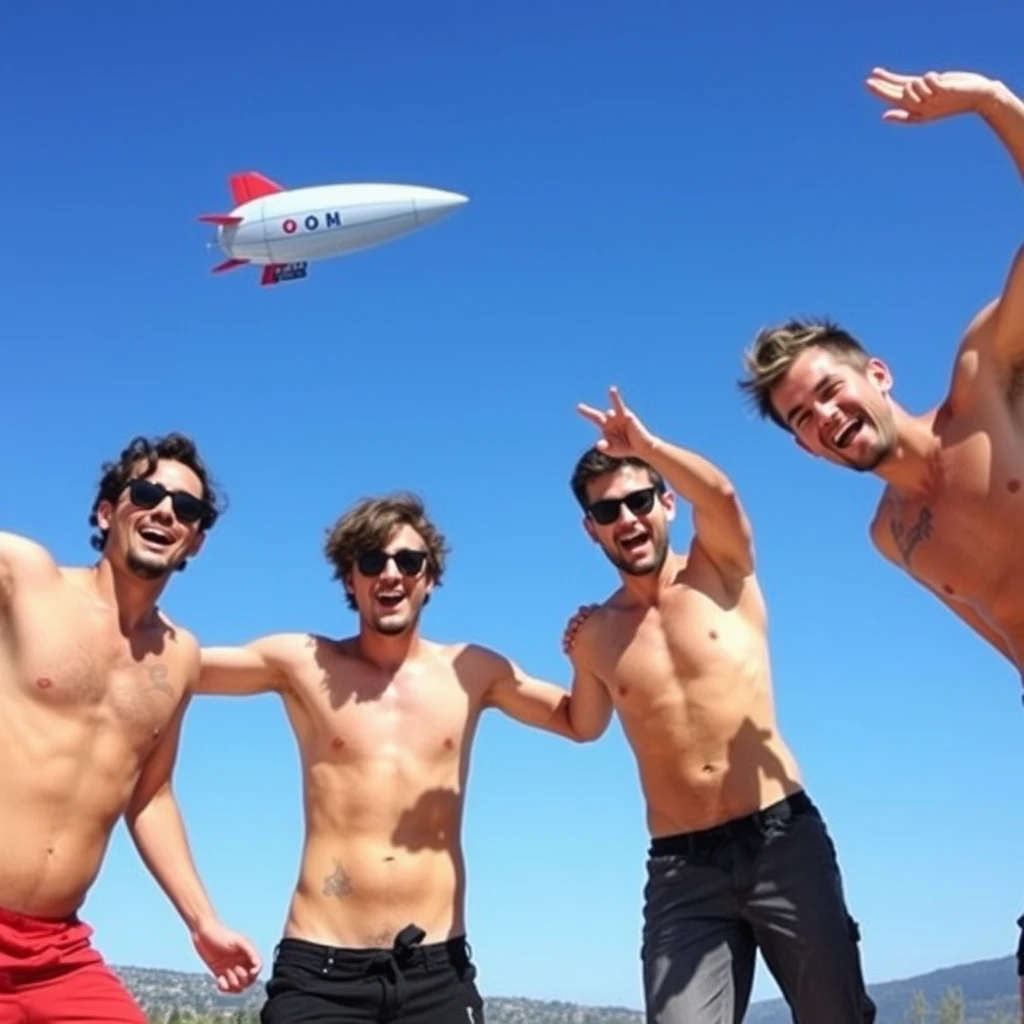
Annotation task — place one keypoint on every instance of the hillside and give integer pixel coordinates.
(989, 989)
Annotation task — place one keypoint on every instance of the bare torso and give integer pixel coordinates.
(691, 682)
(963, 538)
(81, 707)
(385, 756)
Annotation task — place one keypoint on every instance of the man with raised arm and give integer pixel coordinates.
(385, 721)
(740, 858)
(950, 514)
(94, 682)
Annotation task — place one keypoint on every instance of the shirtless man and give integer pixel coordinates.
(384, 722)
(950, 513)
(94, 681)
(740, 858)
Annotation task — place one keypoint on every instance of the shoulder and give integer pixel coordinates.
(22, 556)
(880, 530)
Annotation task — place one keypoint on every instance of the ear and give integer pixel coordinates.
(668, 503)
(346, 582)
(104, 514)
(879, 374)
(588, 528)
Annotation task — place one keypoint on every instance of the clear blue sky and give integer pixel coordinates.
(649, 185)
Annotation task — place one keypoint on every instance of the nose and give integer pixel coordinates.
(165, 510)
(390, 570)
(431, 204)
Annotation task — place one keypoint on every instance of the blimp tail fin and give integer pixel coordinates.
(228, 265)
(251, 185)
(223, 219)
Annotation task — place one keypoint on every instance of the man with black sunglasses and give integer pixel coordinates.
(94, 682)
(385, 721)
(740, 858)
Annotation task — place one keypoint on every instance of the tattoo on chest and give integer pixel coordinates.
(158, 679)
(337, 883)
(907, 538)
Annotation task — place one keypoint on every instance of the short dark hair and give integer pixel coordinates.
(594, 463)
(146, 452)
(368, 524)
(775, 349)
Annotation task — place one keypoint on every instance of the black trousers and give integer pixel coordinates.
(410, 983)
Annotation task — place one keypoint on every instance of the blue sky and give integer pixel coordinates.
(649, 184)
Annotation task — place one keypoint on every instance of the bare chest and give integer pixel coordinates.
(965, 539)
(424, 718)
(69, 660)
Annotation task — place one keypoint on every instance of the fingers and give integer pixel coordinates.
(589, 412)
(617, 403)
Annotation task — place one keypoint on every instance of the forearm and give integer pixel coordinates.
(1003, 112)
(159, 835)
(691, 476)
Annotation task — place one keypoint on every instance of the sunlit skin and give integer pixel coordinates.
(385, 721)
(90, 714)
(680, 650)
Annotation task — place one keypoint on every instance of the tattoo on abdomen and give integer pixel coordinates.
(337, 883)
(908, 539)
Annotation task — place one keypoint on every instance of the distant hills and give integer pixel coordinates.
(989, 989)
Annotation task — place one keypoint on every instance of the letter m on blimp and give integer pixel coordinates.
(333, 219)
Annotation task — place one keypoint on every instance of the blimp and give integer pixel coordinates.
(284, 230)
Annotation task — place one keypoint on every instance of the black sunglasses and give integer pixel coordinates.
(606, 511)
(408, 561)
(187, 507)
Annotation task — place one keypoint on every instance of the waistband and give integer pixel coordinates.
(758, 822)
(31, 923)
(408, 950)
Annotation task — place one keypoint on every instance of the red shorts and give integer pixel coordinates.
(51, 974)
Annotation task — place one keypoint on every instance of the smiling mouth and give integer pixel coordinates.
(845, 437)
(634, 541)
(155, 536)
(389, 601)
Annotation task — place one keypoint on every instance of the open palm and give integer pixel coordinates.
(919, 98)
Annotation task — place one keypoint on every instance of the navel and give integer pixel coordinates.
(1013, 486)
(44, 683)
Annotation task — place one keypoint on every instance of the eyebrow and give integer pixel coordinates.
(820, 386)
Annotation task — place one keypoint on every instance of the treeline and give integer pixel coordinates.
(952, 1010)
(178, 1016)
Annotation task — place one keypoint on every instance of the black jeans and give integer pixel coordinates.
(768, 881)
(410, 983)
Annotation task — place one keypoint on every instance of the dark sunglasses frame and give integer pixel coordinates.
(189, 509)
(607, 510)
(408, 561)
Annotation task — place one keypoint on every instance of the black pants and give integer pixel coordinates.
(768, 881)
(410, 983)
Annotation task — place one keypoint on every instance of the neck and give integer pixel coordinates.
(647, 589)
(388, 651)
(911, 468)
(134, 599)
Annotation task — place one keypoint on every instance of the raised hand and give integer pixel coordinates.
(231, 958)
(919, 98)
(572, 627)
(622, 433)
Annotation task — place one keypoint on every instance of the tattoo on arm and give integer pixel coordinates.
(158, 679)
(337, 883)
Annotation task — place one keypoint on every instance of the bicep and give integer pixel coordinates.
(524, 698)
(590, 704)
(725, 533)
(236, 671)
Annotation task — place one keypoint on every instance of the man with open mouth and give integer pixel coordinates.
(951, 510)
(94, 682)
(740, 858)
(385, 722)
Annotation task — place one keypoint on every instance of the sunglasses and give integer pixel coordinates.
(148, 494)
(407, 561)
(606, 511)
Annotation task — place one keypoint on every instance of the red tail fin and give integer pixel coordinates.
(251, 185)
(228, 265)
(225, 220)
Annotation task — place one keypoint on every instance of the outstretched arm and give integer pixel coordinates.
(918, 99)
(257, 667)
(156, 827)
(721, 525)
(22, 561)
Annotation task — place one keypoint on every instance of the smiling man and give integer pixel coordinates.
(94, 682)
(384, 721)
(740, 858)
